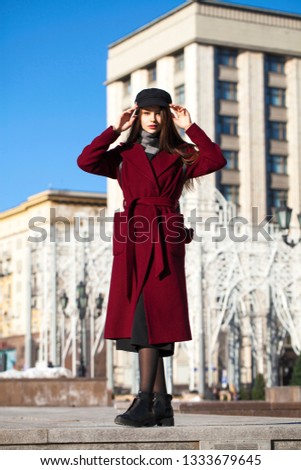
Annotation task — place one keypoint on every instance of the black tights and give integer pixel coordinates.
(151, 366)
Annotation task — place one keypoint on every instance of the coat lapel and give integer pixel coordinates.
(136, 156)
(152, 170)
(162, 161)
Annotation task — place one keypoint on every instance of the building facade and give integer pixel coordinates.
(45, 252)
(238, 71)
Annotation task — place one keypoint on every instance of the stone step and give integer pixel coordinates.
(93, 428)
(243, 408)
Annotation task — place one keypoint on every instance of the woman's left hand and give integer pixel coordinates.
(181, 116)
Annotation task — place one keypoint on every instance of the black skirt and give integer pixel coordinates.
(139, 337)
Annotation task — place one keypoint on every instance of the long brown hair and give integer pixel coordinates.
(170, 139)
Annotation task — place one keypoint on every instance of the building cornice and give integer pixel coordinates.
(206, 23)
(250, 14)
(229, 11)
(59, 197)
(150, 24)
(236, 6)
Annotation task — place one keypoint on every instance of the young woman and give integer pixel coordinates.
(147, 306)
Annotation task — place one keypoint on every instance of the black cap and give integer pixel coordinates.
(153, 97)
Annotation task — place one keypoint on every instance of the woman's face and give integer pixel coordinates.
(151, 119)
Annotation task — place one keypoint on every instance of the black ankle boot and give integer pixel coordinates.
(140, 412)
(163, 410)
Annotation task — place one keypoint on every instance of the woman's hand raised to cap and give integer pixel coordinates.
(126, 120)
(181, 116)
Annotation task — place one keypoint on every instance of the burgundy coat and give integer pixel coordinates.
(149, 235)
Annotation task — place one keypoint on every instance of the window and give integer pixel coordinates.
(2, 361)
(227, 57)
(275, 63)
(180, 94)
(8, 358)
(227, 91)
(276, 197)
(232, 159)
(127, 87)
(277, 164)
(230, 193)
(277, 130)
(152, 73)
(179, 62)
(276, 96)
(227, 125)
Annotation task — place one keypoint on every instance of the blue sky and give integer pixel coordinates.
(52, 97)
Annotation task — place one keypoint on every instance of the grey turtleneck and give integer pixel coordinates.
(151, 143)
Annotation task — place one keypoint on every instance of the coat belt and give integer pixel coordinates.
(154, 202)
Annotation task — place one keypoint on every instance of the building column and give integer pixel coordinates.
(114, 109)
(165, 74)
(139, 81)
(192, 80)
(27, 309)
(115, 95)
(293, 103)
(54, 336)
(115, 92)
(199, 89)
(251, 131)
(199, 100)
(245, 354)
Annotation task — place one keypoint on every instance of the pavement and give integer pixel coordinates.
(94, 428)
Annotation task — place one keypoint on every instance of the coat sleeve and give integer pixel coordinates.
(210, 157)
(97, 159)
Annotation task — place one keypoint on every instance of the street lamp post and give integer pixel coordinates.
(284, 214)
(94, 341)
(64, 302)
(82, 302)
(99, 303)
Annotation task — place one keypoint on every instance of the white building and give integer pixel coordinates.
(47, 245)
(238, 71)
